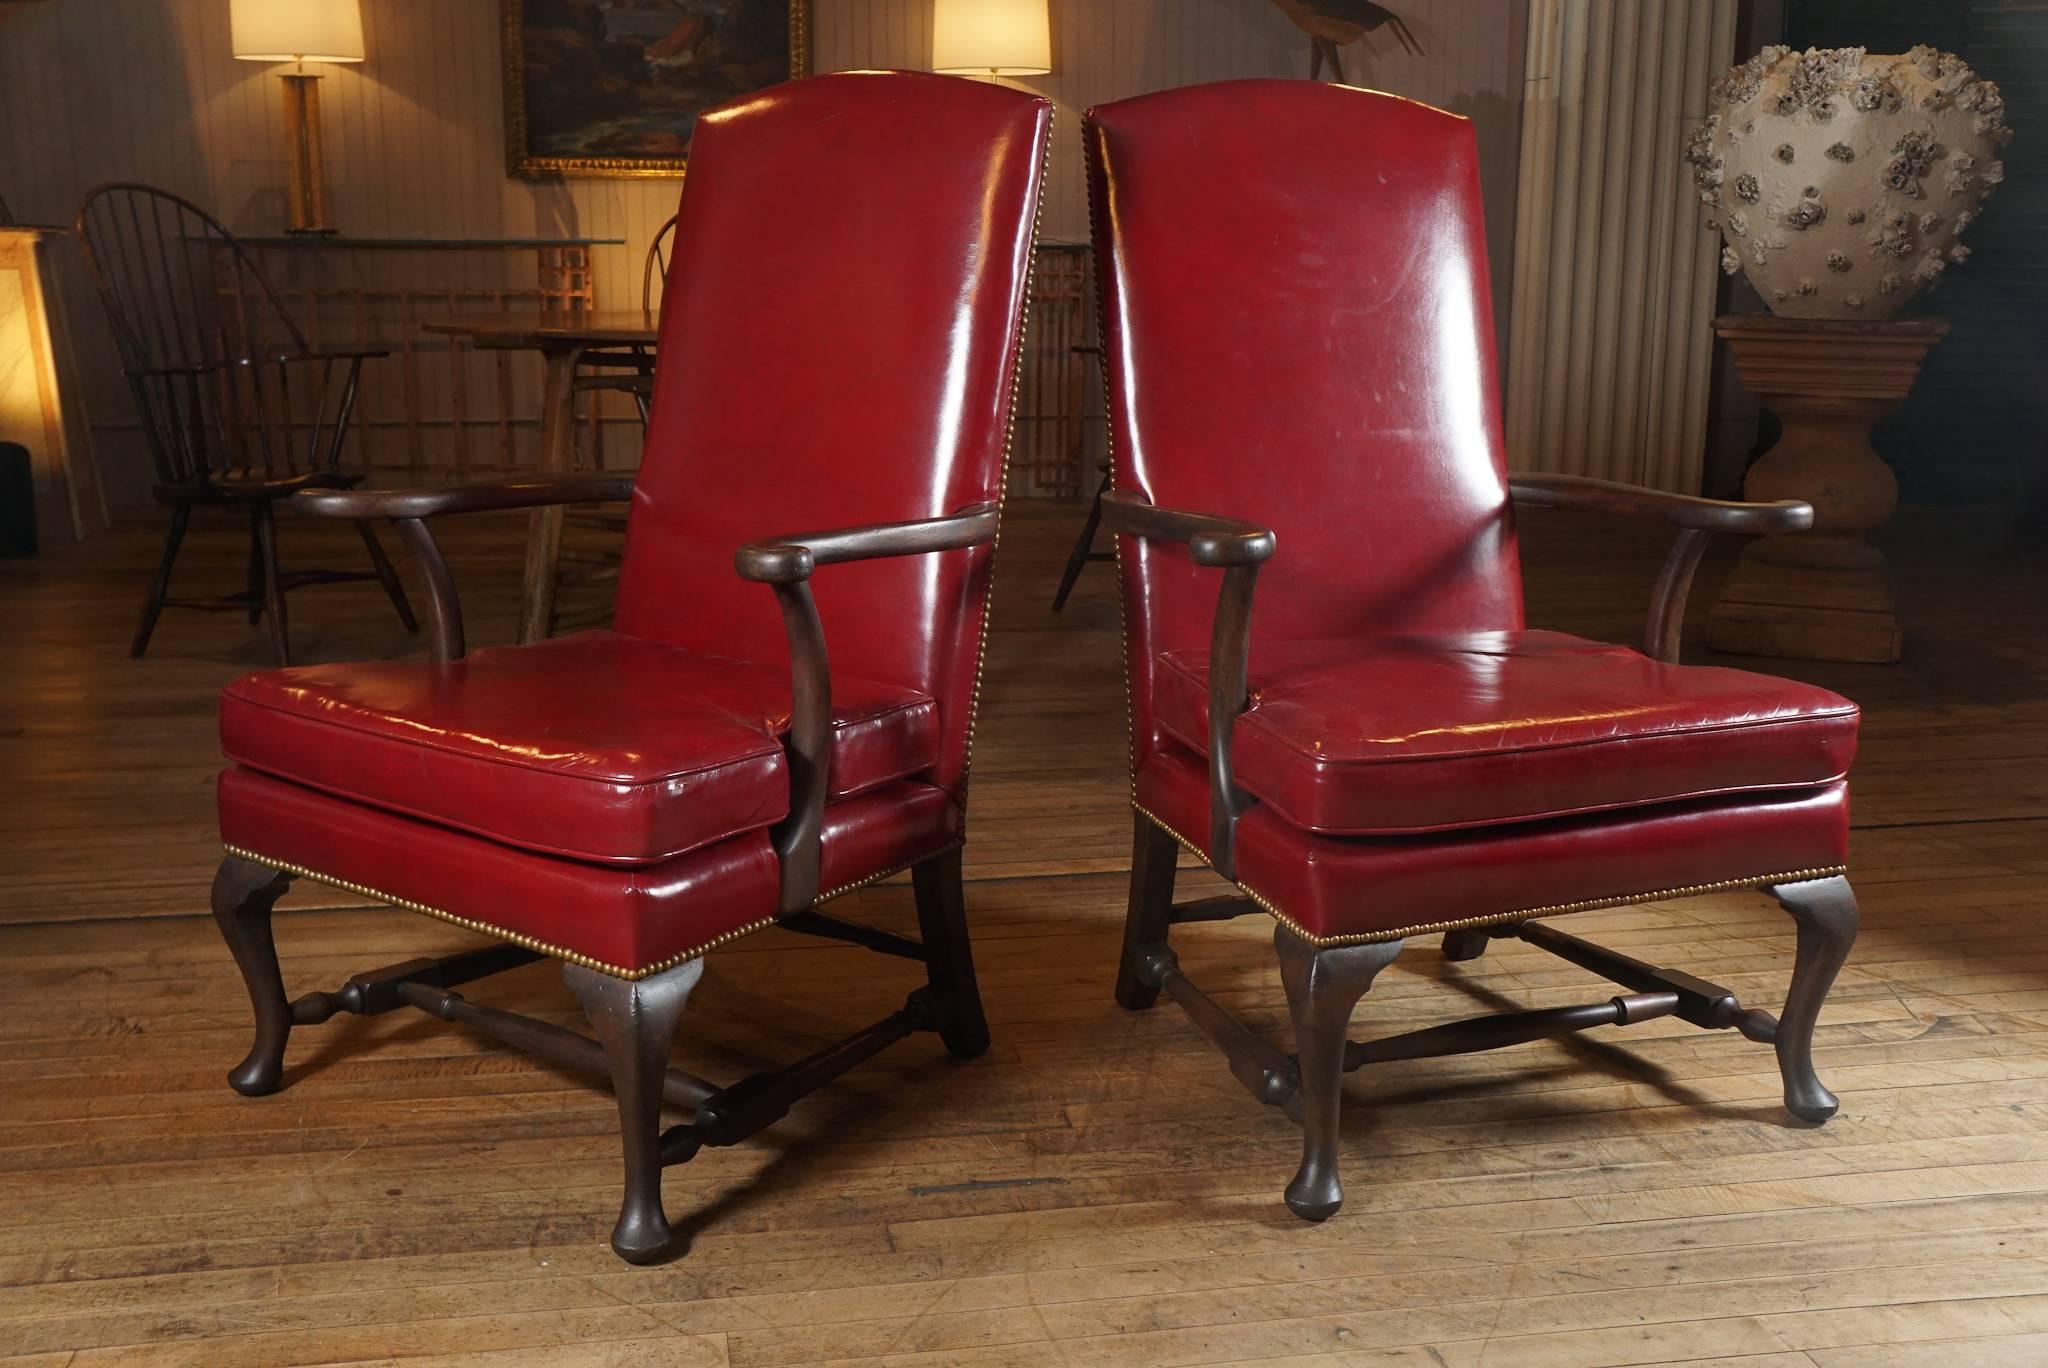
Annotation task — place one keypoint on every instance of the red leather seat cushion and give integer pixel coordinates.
(1387, 886)
(1426, 733)
(595, 746)
(624, 919)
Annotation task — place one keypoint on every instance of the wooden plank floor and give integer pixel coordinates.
(1096, 1191)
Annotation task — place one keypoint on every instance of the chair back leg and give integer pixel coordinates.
(244, 892)
(1825, 910)
(635, 1020)
(1155, 859)
(1323, 986)
(160, 586)
(949, 956)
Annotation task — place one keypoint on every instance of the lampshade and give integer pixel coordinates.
(991, 38)
(296, 30)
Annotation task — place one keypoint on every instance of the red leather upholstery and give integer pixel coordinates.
(1382, 887)
(1394, 734)
(1299, 333)
(624, 919)
(857, 248)
(596, 746)
(850, 326)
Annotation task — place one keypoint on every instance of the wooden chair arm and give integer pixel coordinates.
(1211, 540)
(786, 564)
(1237, 548)
(476, 498)
(1696, 520)
(409, 510)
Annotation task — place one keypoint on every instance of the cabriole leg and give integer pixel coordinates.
(635, 1020)
(948, 954)
(244, 892)
(1468, 944)
(1323, 986)
(1155, 858)
(1825, 910)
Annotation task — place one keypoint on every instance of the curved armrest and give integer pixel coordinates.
(790, 560)
(786, 564)
(1211, 540)
(1680, 510)
(1695, 519)
(1237, 548)
(409, 510)
(476, 498)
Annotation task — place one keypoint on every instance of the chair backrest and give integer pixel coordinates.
(192, 317)
(654, 269)
(1298, 331)
(857, 249)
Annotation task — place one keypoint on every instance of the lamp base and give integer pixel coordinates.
(308, 176)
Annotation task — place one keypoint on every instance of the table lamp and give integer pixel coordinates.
(300, 31)
(991, 38)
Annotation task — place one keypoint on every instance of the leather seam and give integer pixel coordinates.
(1266, 905)
(553, 951)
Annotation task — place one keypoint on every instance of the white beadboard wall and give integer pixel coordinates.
(97, 90)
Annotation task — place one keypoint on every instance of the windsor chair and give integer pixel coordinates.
(238, 409)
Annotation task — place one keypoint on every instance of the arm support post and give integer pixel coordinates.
(1238, 549)
(1696, 519)
(785, 564)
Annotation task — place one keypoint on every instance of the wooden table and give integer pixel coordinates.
(561, 336)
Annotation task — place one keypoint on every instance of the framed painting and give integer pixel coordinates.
(614, 87)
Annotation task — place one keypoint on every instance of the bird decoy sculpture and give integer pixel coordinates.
(1331, 24)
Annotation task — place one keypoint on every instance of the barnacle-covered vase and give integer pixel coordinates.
(1842, 181)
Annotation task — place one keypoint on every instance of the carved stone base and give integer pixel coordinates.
(1823, 594)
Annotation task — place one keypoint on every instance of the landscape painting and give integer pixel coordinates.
(614, 87)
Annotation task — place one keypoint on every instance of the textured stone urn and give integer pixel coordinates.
(1841, 181)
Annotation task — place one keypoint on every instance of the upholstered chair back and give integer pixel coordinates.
(840, 347)
(1298, 331)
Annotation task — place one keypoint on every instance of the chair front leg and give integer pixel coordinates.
(949, 956)
(1468, 944)
(244, 892)
(1825, 910)
(273, 582)
(387, 575)
(1155, 859)
(1323, 986)
(635, 1021)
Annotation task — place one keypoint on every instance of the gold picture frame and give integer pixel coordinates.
(524, 161)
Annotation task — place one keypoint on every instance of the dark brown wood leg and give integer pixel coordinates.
(160, 586)
(1825, 910)
(949, 955)
(244, 892)
(635, 1020)
(1323, 986)
(387, 575)
(273, 583)
(1084, 547)
(255, 573)
(1155, 858)
(1468, 944)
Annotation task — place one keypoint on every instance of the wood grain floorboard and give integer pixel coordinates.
(1095, 1191)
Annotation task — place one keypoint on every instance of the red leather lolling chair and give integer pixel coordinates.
(1383, 749)
(858, 248)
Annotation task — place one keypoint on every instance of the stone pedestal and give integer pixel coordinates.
(1823, 594)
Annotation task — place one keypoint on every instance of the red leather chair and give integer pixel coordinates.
(858, 248)
(1383, 749)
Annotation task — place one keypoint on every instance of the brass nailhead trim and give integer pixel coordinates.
(555, 951)
(1497, 918)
